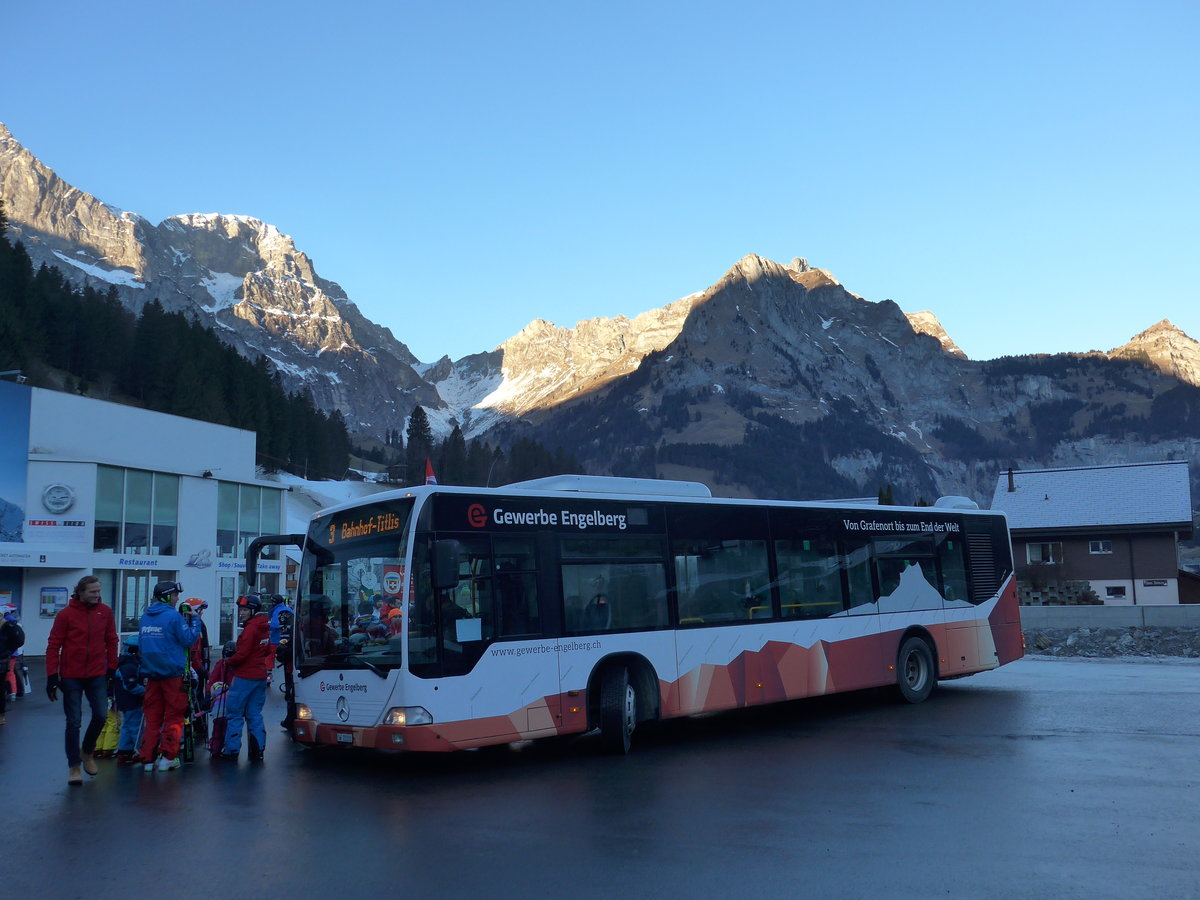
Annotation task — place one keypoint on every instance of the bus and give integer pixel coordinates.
(442, 618)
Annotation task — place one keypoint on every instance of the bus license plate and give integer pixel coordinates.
(345, 738)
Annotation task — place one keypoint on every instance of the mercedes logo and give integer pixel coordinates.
(343, 709)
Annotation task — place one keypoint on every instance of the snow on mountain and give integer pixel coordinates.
(236, 274)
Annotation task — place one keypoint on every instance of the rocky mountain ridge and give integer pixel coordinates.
(235, 274)
(776, 380)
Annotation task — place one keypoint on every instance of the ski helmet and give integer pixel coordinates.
(228, 649)
(192, 604)
(132, 641)
(252, 602)
(163, 588)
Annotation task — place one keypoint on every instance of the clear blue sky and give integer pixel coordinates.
(1027, 170)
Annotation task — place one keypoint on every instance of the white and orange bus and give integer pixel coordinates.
(443, 618)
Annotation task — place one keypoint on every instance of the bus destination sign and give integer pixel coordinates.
(362, 523)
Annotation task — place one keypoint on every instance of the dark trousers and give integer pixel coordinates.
(73, 692)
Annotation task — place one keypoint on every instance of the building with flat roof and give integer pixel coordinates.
(1117, 527)
(132, 496)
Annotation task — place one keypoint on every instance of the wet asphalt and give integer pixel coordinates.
(1048, 778)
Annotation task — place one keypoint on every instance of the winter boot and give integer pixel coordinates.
(89, 763)
(255, 752)
(74, 776)
(166, 765)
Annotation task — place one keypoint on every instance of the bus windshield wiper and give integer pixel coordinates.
(344, 657)
(374, 668)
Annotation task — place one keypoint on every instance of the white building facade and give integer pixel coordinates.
(132, 496)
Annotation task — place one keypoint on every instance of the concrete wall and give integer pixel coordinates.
(67, 426)
(1110, 617)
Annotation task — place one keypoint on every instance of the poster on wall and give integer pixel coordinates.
(53, 599)
(14, 459)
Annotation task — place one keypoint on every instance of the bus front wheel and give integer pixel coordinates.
(618, 710)
(915, 674)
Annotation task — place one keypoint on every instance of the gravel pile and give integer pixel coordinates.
(1113, 642)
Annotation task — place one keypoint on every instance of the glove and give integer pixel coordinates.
(53, 683)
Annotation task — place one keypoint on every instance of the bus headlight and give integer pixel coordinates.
(407, 715)
(303, 712)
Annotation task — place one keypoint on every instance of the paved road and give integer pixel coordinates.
(1049, 778)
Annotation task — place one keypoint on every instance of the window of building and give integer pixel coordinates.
(128, 592)
(1099, 546)
(1115, 592)
(1044, 554)
(244, 512)
(137, 512)
(233, 587)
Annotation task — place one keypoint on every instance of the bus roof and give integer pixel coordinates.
(611, 484)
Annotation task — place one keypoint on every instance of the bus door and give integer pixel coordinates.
(722, 578)
(961, 650)
(488, 630)
(857, 657)
(519, 610)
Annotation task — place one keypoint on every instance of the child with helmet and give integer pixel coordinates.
(128, 690)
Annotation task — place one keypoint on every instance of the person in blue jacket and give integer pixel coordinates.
(166, 636)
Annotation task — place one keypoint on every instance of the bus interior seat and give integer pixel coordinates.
(597, 615)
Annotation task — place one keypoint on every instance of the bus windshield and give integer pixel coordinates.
(351, 605)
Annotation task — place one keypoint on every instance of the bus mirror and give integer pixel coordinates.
(445, 564)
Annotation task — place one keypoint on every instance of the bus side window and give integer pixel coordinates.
(810, 585)
(954, 573)
(856, 559)
(611, 596)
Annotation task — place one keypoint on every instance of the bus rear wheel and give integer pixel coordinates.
(915, 674)
(618, 711)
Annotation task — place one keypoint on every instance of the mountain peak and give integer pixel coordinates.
(1167, 348)
(751, 267)
(1163, 328)
(925, 322)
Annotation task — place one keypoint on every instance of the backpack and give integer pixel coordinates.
(12, 638)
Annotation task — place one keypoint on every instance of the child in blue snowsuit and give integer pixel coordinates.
(128, 688)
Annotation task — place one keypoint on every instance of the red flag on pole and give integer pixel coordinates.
(430, 478)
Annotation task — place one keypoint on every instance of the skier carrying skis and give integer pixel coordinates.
(165, 641)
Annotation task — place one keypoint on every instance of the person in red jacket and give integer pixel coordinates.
(250, 664)
(81, 657)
